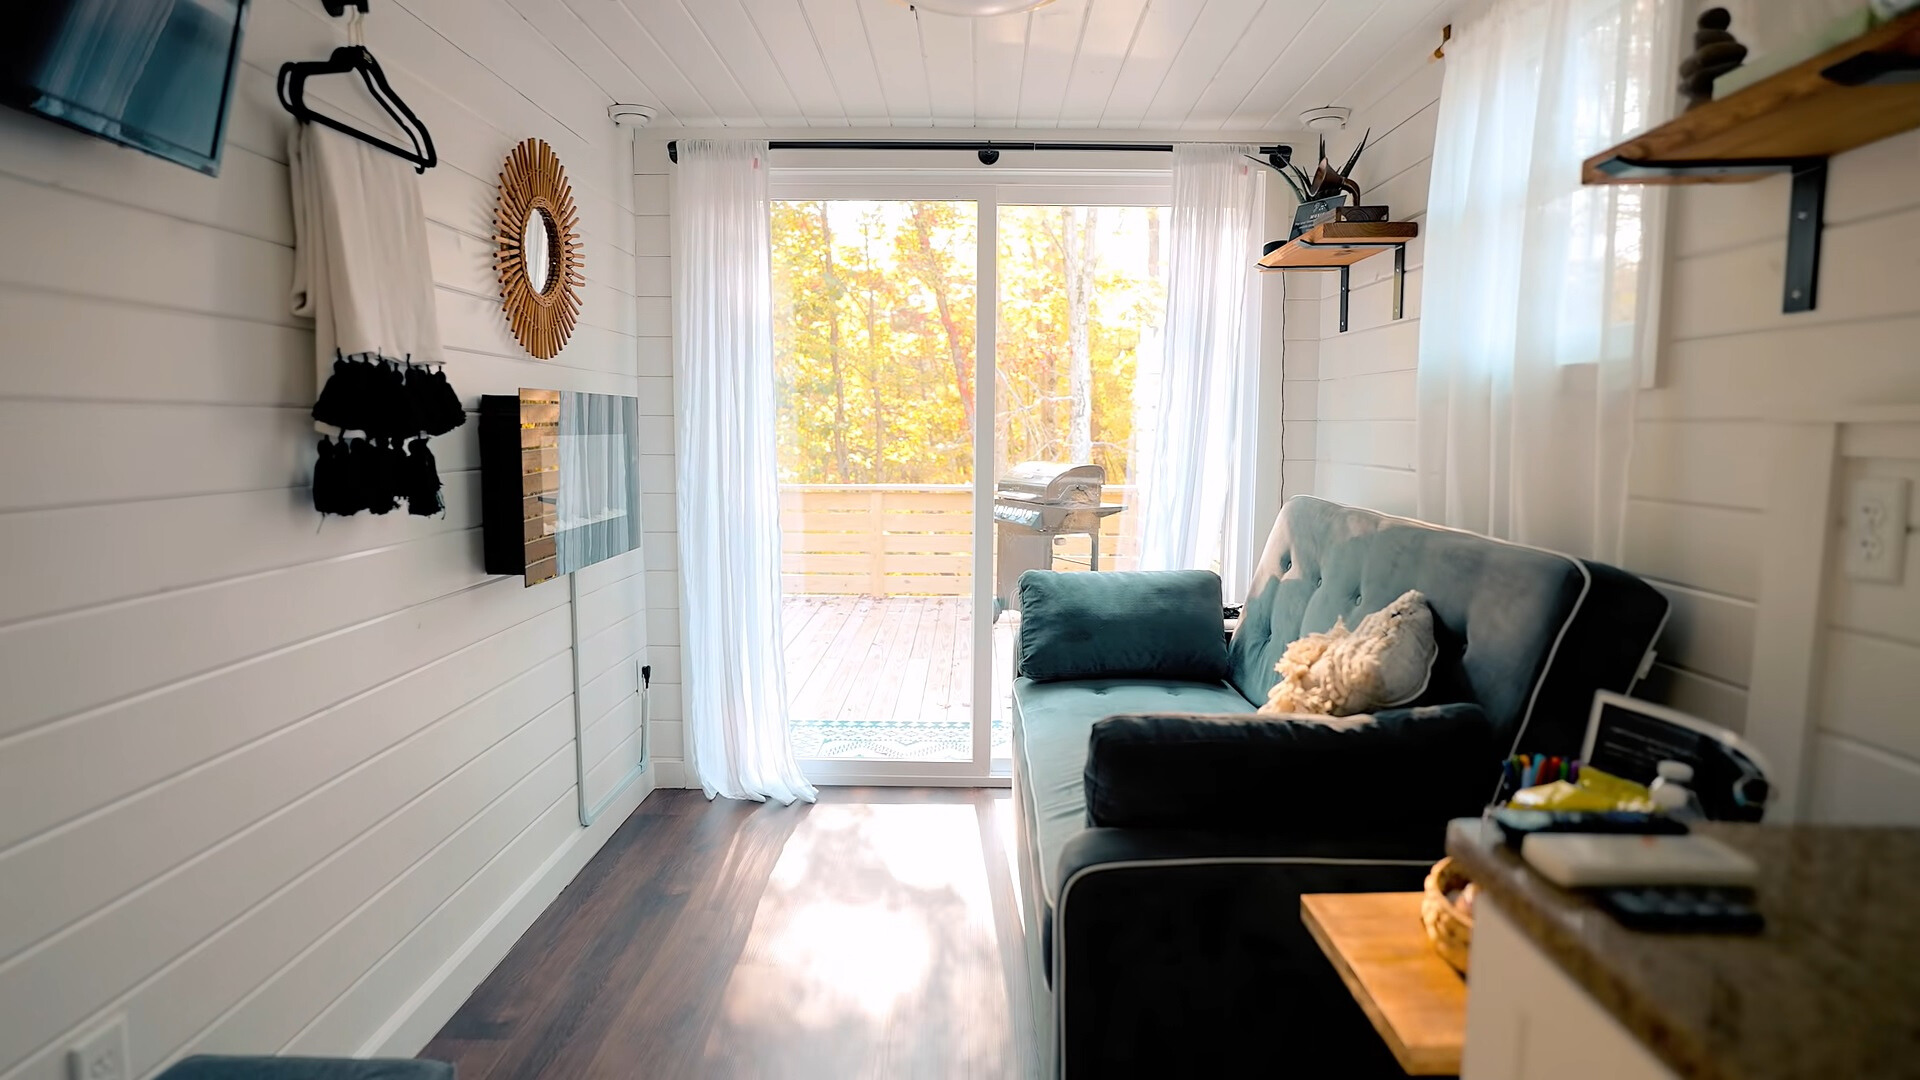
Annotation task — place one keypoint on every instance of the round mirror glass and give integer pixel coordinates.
(536, 248)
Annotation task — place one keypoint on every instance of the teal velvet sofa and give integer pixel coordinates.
(1166, 832)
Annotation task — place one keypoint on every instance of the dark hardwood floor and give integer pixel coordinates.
(874, 934)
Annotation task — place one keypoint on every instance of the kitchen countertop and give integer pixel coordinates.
(1831, 988)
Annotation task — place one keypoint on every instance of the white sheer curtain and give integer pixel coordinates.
(729, 495)
(1537, 289)
(1195, 505)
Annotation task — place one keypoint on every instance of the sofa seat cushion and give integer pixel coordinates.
(1051, 724)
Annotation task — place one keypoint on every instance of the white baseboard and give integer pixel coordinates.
(672, 773)
(431, 1006)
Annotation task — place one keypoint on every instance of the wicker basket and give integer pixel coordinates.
(1448, 927)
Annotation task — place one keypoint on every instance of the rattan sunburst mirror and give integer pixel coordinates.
(537, 249)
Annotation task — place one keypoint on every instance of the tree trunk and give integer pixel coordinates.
(1153, 243)
(832, 287)
(1081, 223)
(935, 277)
(874, 361)
(1047, 376)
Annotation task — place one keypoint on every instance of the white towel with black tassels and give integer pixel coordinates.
(360, 266)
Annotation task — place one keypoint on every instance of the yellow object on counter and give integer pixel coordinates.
(1595, 791)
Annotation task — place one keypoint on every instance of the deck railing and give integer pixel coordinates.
(904, 539)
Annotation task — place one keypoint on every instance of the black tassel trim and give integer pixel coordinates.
(355, 475)
(332, 484)
(388, 399)
(376, 475)
(422, 482)
(394, 405)
(432, 401)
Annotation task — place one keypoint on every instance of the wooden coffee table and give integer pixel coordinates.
(1416, 1002)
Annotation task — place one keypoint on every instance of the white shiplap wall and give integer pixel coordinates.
(1729, 363)
(652, 204)
(1362, 419)
(1863, 746)
(267, 782)
(1280, 361)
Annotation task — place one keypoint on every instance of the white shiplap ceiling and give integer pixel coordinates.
(1177, 65)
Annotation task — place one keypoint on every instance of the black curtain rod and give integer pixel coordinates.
(989, 152)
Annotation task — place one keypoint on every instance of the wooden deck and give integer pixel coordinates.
(883, 677)
(878, 618)
(879, 658)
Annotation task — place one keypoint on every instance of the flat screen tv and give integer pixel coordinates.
(559, 487)
(156, 75)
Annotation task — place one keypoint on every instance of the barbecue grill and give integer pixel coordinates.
(1034, 503)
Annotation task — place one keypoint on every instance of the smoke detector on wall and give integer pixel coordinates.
(1325, 118)
(634, 116)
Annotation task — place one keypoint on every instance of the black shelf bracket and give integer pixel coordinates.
(1806, 209)
(1346, 271)
(1399, 286)
(1399, 281)
(1806, 213)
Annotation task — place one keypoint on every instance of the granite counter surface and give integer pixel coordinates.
(1831, 988)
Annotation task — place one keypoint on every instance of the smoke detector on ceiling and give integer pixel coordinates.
(1325, 118)
(974, 9)
(634, 116)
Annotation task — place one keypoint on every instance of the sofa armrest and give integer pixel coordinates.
(1328, 781)
(1151, 624)
(1183, 954)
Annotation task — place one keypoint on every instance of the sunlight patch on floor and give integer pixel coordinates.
(874, 912)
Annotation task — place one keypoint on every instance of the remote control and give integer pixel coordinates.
(1683, 909)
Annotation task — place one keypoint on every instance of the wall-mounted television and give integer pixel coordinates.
(156, 75)
(559, 485)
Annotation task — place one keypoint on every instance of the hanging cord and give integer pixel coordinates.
(356, 37)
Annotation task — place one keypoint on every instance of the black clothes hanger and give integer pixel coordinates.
(355, 59)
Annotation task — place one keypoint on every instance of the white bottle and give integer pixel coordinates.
(1671, 793)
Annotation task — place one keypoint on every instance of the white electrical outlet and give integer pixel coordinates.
(1876, 536)
(102, 1055)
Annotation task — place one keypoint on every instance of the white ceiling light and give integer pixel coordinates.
(1325, 118)
(975, 9)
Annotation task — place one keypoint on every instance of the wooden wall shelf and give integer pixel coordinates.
(1853, 94)
(1337, 245)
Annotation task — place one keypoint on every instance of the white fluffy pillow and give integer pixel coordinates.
(1383, 662)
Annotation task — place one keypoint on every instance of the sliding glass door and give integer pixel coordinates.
(874, 342)
(902, 396)
(1077, 364)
